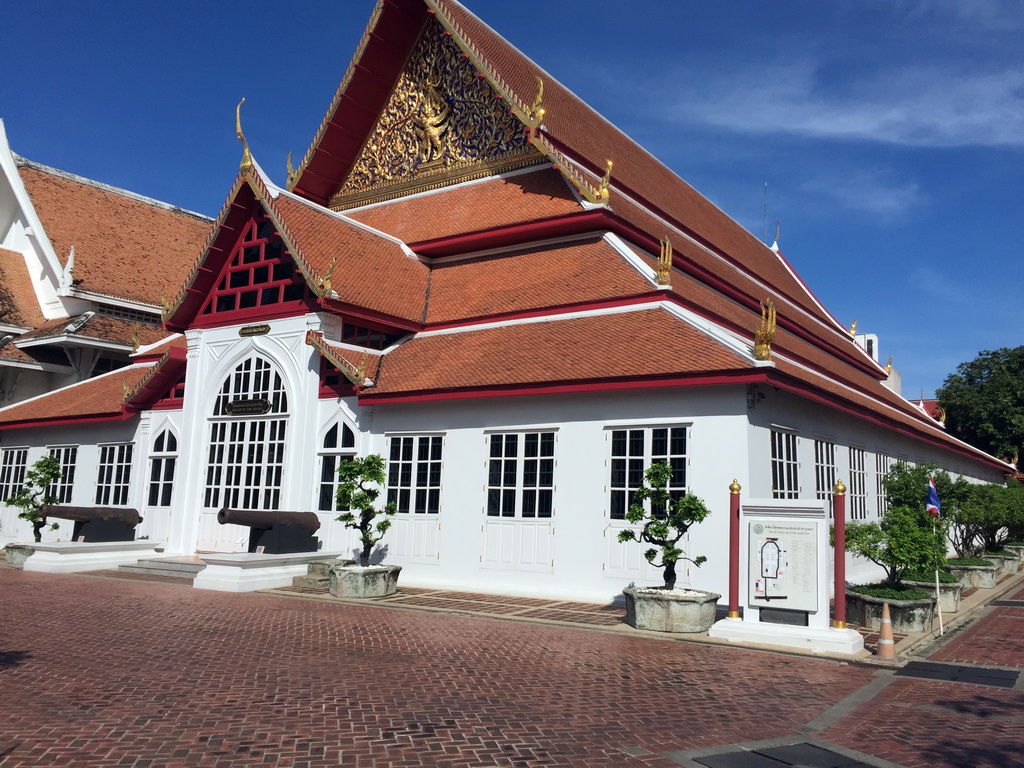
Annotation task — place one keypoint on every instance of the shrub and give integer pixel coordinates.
(904, 539)
(33, 494)
(359, 482)
(891, 593)
(664, 522)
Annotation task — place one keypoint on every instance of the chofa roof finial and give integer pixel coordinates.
(246, 163)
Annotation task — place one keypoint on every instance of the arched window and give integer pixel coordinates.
(162, 462)
(339, 444)
(247, 439)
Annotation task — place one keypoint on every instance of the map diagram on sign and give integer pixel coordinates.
(783, 564)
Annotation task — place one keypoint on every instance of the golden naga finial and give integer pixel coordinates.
(765, 333)
(136, 337)
(942, 415)
(361, 369)
(246, 163)
(325, 281)
(537, 108)
(853, 328)
(126, 391)
(665, 263)
(602, 189)
(292, 175)
(1015, 459)
(888, 366)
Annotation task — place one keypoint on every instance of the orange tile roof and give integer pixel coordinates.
(370, 270)
(473, 207)
(19, 304)
(531, 278)
(99, 398)
(583, 134)
(643, 343)
(126, 246)
(100, 327)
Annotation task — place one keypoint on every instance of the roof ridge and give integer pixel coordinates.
(23, 162)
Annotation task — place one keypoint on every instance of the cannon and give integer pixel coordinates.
(96, 523)
(277, 532)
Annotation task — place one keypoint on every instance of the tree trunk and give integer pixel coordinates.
(37, 529)
(670, 575)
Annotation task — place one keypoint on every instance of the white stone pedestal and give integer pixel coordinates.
(245, 572)
(75, 556)
(844, 641)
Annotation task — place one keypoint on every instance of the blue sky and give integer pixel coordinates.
(890, 132)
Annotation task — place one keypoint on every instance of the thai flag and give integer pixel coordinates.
(934, 505)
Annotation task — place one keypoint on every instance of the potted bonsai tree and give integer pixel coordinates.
(359, 484)
(663, 523)
(30, 498)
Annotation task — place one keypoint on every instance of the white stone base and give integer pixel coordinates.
(75, 556)
(845, 641)
(245, 572)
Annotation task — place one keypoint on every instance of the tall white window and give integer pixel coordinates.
(824, 471)
(13, 464)
(115, 473)
(414, 474)
(62, 487)
(785, 466)
(883, 462)
(521, 475)
(339, 444)
(633, 450)
(162, 464)
(245, 464)
(858, 495)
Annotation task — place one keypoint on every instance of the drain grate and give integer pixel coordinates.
(1008, 603)
(801, 755)
(960, 673)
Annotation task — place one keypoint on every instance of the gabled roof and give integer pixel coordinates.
(157, 380)
(125, 246)
(340, 259)
(95, 328)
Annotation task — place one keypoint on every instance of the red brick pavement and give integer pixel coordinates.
(925, 724)
(102, 672)
(997, 641)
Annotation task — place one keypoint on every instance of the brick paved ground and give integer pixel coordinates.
(125, 673)
(100, 672)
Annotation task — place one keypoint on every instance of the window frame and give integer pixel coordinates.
(12, 473)
(329, 460)
(625, 470)
(114, 476)
(516, 495)
(785, 464)
(63, 488)
(161, 460)
(414, 483)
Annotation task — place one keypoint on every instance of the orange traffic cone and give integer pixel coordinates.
(886, 646)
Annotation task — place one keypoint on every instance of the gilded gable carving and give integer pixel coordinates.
(442, 124)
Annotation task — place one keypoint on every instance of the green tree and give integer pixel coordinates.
(359, 483)
(664, 522)
(907, 486)
(984, 401)
(903, 540)
(33, 494)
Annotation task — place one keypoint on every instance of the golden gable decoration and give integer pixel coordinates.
(764, 335)
(443, 123)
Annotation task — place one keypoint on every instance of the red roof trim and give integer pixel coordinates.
(67, 420)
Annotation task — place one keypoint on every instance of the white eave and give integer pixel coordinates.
(66, 340)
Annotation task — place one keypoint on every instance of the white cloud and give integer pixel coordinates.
(872, 192)
(927, 106)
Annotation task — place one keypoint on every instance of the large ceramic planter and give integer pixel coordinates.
(17, 554)
(978, 576)
(660, 610)
(1008, 563)
(949, 593)
(360, 581)
(906, 615)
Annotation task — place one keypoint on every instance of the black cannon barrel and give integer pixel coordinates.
(125, 515)
(267, 518)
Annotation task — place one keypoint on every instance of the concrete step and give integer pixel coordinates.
(158, 566)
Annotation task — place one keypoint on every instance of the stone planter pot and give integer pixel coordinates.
(1018, 550)
(949, 594)
(1007, 563)
(978, 576)
(318, 573)
(659, 610)
(17, 554)
(364, 581)
(906, 615)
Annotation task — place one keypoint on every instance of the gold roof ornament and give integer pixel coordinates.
(246, 163)
(765, 333)
(853, 328)
(292, 174)
(665, 263)
(325, 281)
(888, 366)
(136, 337)
(942, 415)
(126, 391)
(537, 108)
(602, 189)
